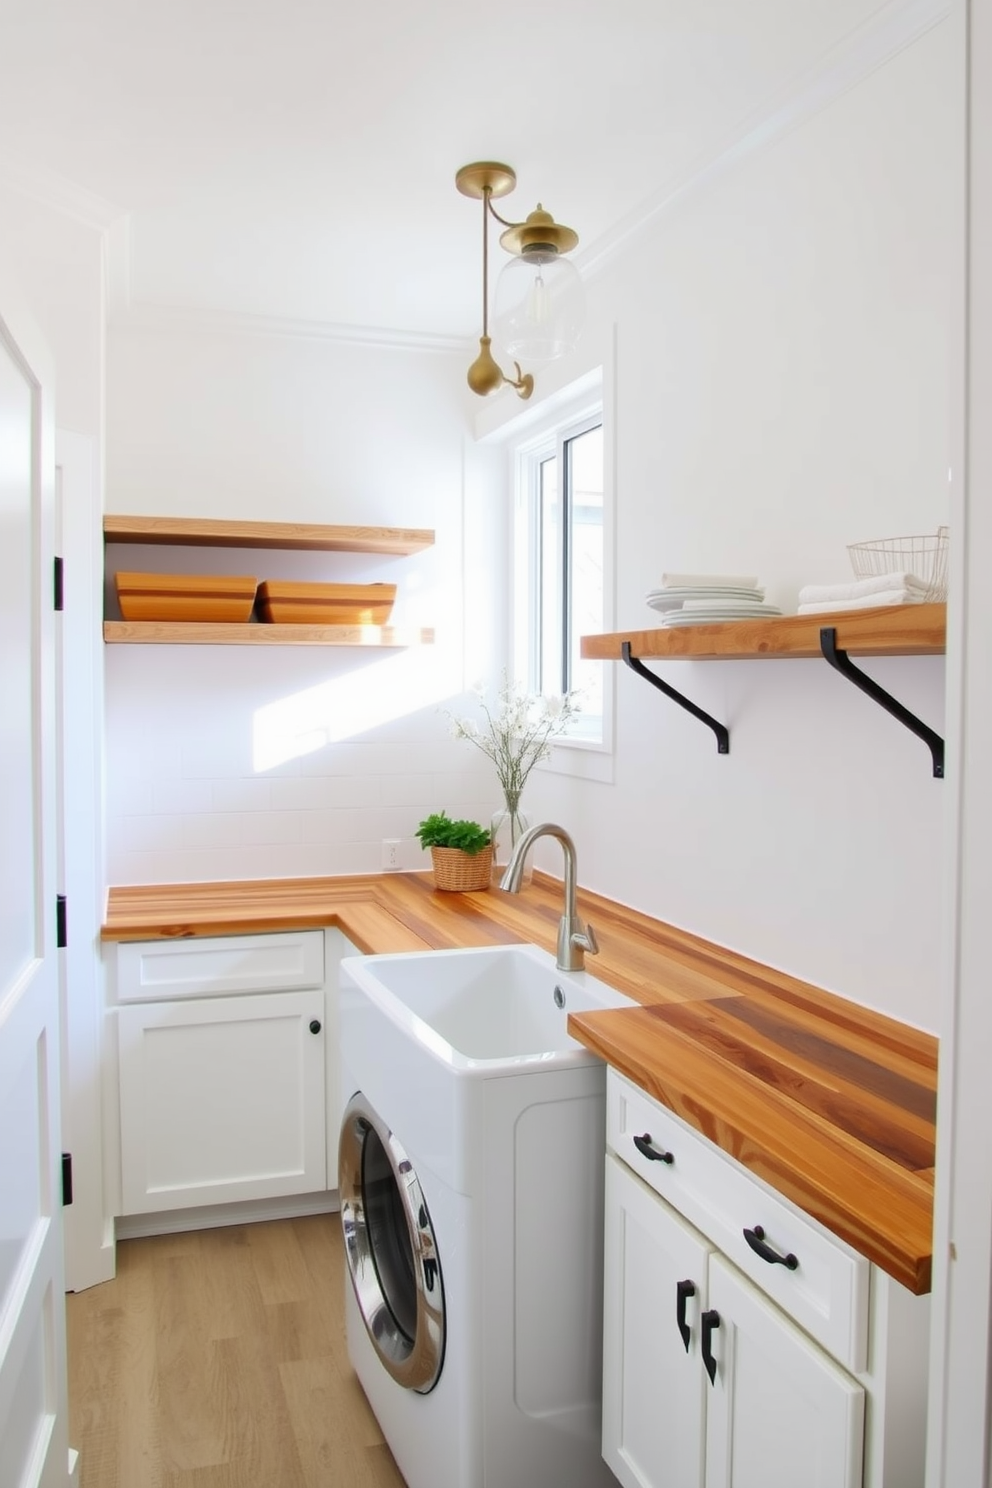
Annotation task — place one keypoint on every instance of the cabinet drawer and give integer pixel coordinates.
(826, 1293)
(215, 966)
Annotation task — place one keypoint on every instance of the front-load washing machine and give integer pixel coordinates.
(471, 1206)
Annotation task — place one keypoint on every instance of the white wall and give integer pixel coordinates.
(782, 377)
(255, 762)
(781, 387)
(59, 263)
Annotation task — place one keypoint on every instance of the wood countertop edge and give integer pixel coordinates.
(882, 1210)
(652, 963)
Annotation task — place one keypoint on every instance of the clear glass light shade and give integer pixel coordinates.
(539, 307)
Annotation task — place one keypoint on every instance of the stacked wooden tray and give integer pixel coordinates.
(281, 602)
(188, 597)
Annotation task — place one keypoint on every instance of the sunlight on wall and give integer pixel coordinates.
(353, 704)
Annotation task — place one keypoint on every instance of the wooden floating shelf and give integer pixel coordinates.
(190, 633)
(892, 630)
(207, 532)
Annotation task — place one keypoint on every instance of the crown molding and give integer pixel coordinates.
(130, 314)
(841, 68)
(50, 189)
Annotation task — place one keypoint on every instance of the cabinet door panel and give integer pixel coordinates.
(653, 1389)
(221, 1100)
(780, 1412)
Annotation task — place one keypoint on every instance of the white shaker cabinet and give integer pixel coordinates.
(734, 1362)
(224, 1069)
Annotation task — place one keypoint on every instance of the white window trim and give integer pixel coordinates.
(591, 398)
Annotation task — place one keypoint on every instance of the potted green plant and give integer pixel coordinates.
(461, 852)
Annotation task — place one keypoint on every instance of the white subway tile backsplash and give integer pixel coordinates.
(297, 794)
(210, 829)
(353, 790)
(340, 826)
(217, 756)
(186, 800)
(179, 796)
(274, 828)
(145, 831)
(246, 795)
(405, 790)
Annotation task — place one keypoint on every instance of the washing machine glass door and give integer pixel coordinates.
(391, 1250)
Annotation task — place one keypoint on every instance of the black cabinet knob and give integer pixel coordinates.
(315, 1025)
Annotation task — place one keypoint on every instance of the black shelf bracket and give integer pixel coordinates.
(842, 663)
(722, 734)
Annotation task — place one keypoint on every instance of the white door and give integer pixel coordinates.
(653, 1382)
(780, 1412)
(33, 1428)
(222, 1100)
(89, 1237)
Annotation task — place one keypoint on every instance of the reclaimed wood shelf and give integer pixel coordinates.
(892, 630)
(207, 532)
(197, 633)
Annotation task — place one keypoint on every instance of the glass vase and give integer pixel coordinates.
(508, 825)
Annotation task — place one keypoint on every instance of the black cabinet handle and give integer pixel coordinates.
(315, 1025)
(653, 1154)
(683, 1291)
(756, 1239)
(709, 1322)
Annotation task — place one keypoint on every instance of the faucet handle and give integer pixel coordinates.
(586, 938)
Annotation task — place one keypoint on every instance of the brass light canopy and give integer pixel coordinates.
(538, 241)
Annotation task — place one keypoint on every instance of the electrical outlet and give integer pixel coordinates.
(390, 853)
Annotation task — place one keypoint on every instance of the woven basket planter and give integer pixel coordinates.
(461, 871)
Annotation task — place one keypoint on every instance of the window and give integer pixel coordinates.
(560, 568)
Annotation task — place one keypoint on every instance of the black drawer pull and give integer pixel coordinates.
(756, 1239)
(683, 1290)
(709, 1321)
(315, 1025)
(653, 1154)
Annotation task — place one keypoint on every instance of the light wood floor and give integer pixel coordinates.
(217, 1359)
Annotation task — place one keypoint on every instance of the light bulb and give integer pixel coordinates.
(539, 307)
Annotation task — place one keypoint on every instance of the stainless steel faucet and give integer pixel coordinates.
(574, 938)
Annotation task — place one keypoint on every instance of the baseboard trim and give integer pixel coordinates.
(215, 1216)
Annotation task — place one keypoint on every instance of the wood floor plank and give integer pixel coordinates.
(182, 1375)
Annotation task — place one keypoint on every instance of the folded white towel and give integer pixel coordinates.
(866, 602)
(707, 581)
(877, 584)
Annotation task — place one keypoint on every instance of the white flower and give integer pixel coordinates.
(516, 732)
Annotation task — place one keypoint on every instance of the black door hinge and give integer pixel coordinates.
(61, 932)
(59, 578)
(66, 1178)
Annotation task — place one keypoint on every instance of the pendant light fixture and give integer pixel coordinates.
(539, 305)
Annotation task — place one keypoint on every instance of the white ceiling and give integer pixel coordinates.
(297, 160)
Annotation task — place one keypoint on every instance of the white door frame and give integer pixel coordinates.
(960, 1412)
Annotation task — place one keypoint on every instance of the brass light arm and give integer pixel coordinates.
(537, 239)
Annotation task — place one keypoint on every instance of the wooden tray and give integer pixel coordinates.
(281, 602)
(153, 596)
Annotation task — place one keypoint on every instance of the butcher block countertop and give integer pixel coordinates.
(829, 1102)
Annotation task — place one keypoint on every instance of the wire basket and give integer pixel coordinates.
(925, 557)
(461, 871)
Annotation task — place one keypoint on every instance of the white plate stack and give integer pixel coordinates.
(702, 599)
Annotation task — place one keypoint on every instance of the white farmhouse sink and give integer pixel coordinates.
(499, 1007)
(441, 1041)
